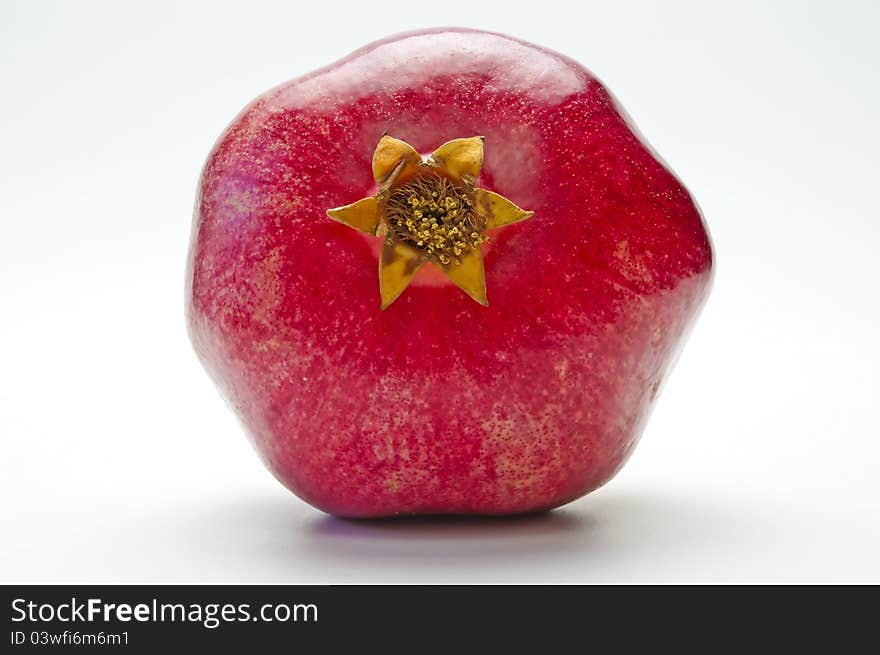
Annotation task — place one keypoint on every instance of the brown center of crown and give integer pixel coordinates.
(436, 217)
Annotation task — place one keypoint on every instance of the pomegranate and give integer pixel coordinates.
(443, 275)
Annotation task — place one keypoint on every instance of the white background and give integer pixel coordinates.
(120, 462)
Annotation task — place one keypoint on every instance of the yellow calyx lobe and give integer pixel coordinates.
(430, 211)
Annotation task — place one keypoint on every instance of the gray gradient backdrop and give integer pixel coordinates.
(119, 460)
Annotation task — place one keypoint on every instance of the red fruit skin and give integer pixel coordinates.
(437, 404)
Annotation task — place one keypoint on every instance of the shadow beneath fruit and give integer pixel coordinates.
(606, 537)
(396, 545)
(454, 527)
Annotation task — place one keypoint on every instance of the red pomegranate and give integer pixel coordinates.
(443, 275)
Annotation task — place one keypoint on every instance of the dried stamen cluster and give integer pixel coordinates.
(437, 218)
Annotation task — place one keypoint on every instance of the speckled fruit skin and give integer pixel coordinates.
(437, 404)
